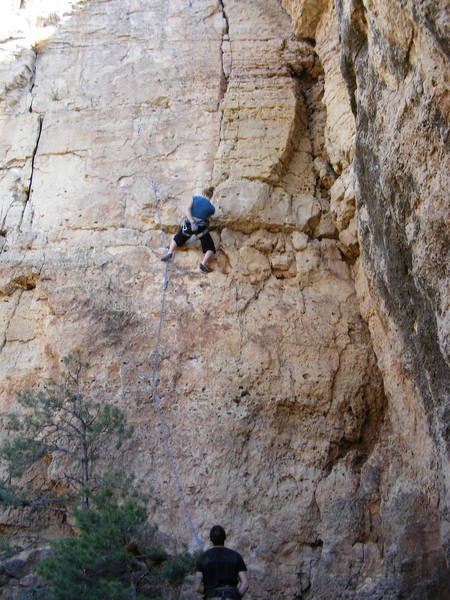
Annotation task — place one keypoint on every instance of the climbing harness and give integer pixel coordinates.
(155, 360)
(197, 228)
(186, 226)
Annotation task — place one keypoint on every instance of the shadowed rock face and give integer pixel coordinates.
(402, 172)
(394, 60)
(316, 439)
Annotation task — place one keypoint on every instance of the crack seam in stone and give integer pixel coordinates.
(224, 79)
(74, 152)
(33, 158)
(33, 80)
(14, 310)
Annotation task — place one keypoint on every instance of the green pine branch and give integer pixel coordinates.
(114, 554)
(59, 420)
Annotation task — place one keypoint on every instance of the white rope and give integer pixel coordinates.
(156, 356)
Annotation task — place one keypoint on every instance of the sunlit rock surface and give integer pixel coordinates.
(309, 435)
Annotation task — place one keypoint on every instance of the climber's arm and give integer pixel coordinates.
(189, 209)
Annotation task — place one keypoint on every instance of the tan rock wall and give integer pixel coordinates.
(391, 55)
(409, 216)
(270, 391)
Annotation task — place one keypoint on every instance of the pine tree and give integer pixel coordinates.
(114, 555)
(97, 564)
(62, 423)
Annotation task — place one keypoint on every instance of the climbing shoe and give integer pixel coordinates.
(204, 268)
(167, 257)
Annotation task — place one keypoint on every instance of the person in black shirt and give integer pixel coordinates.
(221, 572)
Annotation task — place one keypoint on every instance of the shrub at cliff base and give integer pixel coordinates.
(105, 562)
(114, 555)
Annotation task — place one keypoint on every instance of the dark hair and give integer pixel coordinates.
(217, 535)
(208, 192)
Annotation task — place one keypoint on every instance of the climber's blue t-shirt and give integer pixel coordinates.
(202, 208)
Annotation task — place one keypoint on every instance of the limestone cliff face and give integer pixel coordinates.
(394, 60)
(312, 436)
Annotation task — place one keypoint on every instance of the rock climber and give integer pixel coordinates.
(221, 572)
(198, 212)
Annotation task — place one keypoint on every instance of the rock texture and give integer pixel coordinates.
(323, 459)
(403, 206)
(391, 56)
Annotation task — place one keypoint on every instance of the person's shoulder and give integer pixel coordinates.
(237, 557)
(209, 554)
(201, 558)
(233, 552)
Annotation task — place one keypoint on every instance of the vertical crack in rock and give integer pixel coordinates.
(33, 159)
(225, 37)
(3, 228)
(408, 51)
(303, 143)
(224, 76)
(353, 36)
(280, 168)
(33, 79)
(3, 234)
(9, 321)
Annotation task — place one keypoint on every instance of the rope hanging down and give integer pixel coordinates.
(156, 356)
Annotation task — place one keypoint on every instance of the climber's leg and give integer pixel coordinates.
(209, 249)
(179, 239)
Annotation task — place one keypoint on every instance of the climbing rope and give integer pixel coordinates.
(156, 357)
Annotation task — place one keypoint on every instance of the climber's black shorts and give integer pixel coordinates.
(206, 239)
